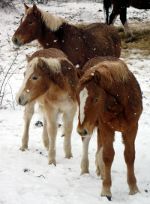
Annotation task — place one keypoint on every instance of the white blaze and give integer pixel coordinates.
(83, 97)
(29, 71)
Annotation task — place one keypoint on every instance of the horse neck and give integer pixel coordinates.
(48, 38)
(56, 39)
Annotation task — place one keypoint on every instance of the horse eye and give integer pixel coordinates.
(95, 100)
(34, 78)
(30, 22)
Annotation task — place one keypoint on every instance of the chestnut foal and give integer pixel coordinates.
(29, 108)
(50, 79)
(110, 99)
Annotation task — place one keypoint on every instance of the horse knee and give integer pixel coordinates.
(108, 156)
(129, 157)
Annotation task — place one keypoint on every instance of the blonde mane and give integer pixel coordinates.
(114, 70)
(111, 71)
(51, 21)
(53, 64)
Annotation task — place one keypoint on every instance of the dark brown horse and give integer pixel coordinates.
(120, 8)
(110, 99)
(80, 43)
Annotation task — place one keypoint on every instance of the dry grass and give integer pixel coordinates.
(141, 32)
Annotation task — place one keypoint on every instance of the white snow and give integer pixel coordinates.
(26, 177)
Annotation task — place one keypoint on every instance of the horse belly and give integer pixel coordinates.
(141, 4)
(66, 106)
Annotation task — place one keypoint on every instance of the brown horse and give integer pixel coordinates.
(120, 8)
(80, 43)
(50, 79)
(110, 99)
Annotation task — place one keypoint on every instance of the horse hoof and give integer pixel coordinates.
(68, 156)
(134, 191)
(106, 193)
(84, 172)
(52, 162)
(108, 197)
(24, 148)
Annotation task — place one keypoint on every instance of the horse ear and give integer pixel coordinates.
(28, 58)
(70, 72)
(80, 72)
(97, 77)
(35, 9)
(26, 7)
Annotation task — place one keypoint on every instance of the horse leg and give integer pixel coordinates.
(99, 156)
(114, 14)
(44, 132)
(28, 113)
(112, 18)
(85, 159)
(45, 135)
(129, 154)
(108, 155)
(123, 18)
(51, 119)
(68, 125)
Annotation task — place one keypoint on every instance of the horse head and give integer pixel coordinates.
(89, 98)
(45, 72)
(39, 75)
(30, 26)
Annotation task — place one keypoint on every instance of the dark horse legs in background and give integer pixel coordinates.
(120, 8)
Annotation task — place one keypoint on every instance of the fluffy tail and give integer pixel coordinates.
(107, 4)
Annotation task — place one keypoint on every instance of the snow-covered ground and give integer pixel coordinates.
(26, 177)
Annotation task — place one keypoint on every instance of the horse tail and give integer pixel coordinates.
(107, 4)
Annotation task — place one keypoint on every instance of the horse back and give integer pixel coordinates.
(48, 53)
(125, 93)
(101, 40)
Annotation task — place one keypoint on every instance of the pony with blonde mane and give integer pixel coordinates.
(80, 43)
(51, 80)
(110, 99)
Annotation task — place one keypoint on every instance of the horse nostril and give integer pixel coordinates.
(82, 132)
(85, 132)
(15, 41)
(19, 100)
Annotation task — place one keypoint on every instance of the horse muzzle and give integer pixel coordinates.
(83, 132)
(16, 41)
(22, 100)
